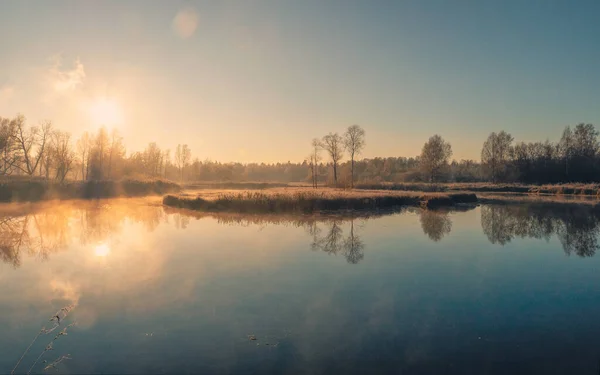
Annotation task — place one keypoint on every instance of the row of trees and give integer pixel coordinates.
(352, 141)
(575, 158)
(52, 154)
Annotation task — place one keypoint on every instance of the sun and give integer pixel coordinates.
(102, 250)
(106, 111)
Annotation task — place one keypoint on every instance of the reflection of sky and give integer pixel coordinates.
(169, 299)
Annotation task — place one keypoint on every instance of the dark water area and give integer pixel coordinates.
(495, 289)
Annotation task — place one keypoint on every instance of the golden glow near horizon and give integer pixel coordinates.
(106, 111)
(102, 250)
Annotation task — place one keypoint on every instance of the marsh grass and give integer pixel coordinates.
(37, 189)
(306, 201)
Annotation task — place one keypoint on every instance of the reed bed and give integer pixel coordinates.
(305, 201)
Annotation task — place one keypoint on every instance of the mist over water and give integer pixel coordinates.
(490, 289)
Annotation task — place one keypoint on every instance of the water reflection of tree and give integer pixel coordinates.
(435, 224)
(326, 232)
(47, 229)
(576, 228)
(333, 242)
(353, 246)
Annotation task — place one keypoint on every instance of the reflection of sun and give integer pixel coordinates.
(102, 250)
(106, 111)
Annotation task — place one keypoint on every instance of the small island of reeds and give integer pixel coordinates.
(306, 201)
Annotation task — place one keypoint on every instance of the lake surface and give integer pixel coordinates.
(488, 290)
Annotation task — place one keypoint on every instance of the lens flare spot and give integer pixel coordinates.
(102, 250)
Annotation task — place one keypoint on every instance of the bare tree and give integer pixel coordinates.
(496, 153)
(48, 158)
(354, 141)
(566, 148)
(98, 155)
(334, 145)
(32, 143)
(315, 158)
(116, 150)
(434, 156)
(183, 155)
(83, 149)
(167, 162)
(8, 147)
(63, 154)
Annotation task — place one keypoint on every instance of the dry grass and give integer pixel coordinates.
(583, 201)
(558, 189)
(234, 185)
(309, 201)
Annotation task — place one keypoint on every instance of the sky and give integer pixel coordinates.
(251, 80)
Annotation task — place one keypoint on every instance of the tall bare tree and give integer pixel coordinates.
(116, 150)
(434, 156)
(83, 150)
(354, 141)
(99, 155)
(8, 146)
(333, 143)
(566, 149)
(183, 155)
(63, 154)
(315, 158)
(496, 153)
(32, 143)
(167, 162)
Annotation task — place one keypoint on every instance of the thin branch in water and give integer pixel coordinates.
(49, 346)
(47, 349)
(42, 331)
(57, 362)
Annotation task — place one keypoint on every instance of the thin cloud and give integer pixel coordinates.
(185, 23)
(63, 80)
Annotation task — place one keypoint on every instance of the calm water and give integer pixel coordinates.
(491, 290)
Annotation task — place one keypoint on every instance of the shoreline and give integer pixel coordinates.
(36, 190)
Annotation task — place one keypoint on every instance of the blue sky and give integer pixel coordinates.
(257, 80)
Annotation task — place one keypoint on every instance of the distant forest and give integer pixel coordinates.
(46, 152)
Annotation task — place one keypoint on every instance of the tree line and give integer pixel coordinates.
(43, 151)
(574, 158)
(47, 152)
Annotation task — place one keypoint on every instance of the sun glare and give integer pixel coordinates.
(106, 111)
(102, 250)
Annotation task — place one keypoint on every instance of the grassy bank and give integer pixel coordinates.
(306, 201)
(31, 190)
(559, 189)
(236, 185)
(589, 203)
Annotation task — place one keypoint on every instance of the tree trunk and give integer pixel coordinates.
(352, 174)
(335, 174)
